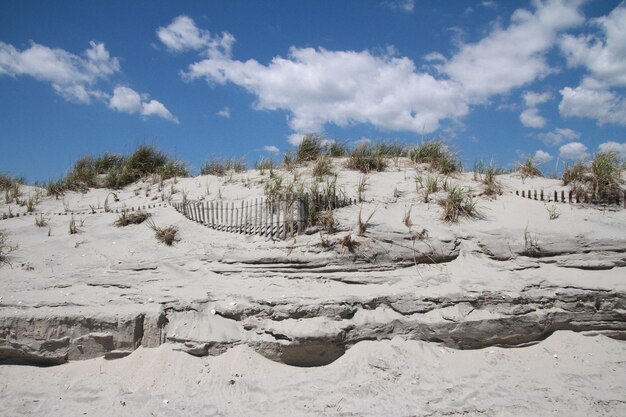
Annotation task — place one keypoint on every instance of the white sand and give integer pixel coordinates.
(111, 273)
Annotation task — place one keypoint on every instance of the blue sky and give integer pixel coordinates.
(497, 80)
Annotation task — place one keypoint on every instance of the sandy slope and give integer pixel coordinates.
(567, 374)
(385, 304)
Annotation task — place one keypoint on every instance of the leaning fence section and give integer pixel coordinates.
(278, 218)
(569, 196)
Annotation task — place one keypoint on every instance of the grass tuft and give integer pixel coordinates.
(167, 235)
(126, 218)
(458, 203)
(438, 155)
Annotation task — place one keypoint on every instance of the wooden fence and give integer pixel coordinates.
(566, 196)
(278, 218)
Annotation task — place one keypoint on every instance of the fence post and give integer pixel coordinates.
(569, 196)
(624, 199)
(524, 194)
(516, 192)
(535, 194)
(562, 196)
(256, 216)
(285, 218)
(212, 215)
(556, 196)
(541, 195)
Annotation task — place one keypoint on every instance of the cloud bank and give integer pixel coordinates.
(316, 86)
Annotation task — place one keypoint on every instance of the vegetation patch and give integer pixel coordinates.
(126, 218)
(436, 154)
(599, 182)
(458, 203)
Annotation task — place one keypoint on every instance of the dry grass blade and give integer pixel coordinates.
(363, 226)
(5, 248)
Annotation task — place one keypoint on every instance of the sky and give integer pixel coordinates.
(498, 81)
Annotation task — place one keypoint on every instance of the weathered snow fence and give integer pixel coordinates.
(278, 218)
(560, 197)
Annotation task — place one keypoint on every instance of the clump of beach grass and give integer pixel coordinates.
(127, 217)
(167, 235)
(458, 203)
(437, 155)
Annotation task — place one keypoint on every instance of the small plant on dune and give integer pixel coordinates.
(73, 228)
(327, 220)
(289, 162)
(606, 176)
(41, 221)
(601, 179)
(5, 248)
(491, 183)
(362, 226)
(349, 243)
(310, 148)
(366, 158)
(458, 203)
(11, 187)
(167, 235)
(553, 211)
(322, 167)
(215, 167)
(436, 154)
(126, 218)
(361, 186)
(531, 243)
(264, 164)
(529, 169)
(337, 149)
(427, 186)
(406, 220)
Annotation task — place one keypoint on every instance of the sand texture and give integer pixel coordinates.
(511, 313)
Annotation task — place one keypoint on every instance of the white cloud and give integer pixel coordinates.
(592, 100)
(271, 149)
(127, 100)
(183, 35)
(574, 151)
(618, 148)
(599, 96)
(515, 56)
(406, 6)
(531, 118)
(72, 76)
(318, 86)
(559, 135)
(225, 112)
(295, 138)
(541, 157)
(532, 99)
(603, 54)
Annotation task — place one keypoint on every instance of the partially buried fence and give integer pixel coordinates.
(569, 196)
(278, 218)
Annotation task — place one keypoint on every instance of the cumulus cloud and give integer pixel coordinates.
(315, 86)
(618, 148)
(318, 86)
(225, 112)
(72, 76)
(271, 149)
(183, 35)
(603, 54)
(593, 100)
(541, 157)
(127, 100)
(559, 135)
(531, 118)
(406, 6)
(511, 57)
(574, 151)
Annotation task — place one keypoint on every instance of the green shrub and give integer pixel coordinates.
(458, 203)
(337, 149)
(309, 149)
(366, 158)
(437, 155)
(600, 181)
(323, 167)
(529, 169)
